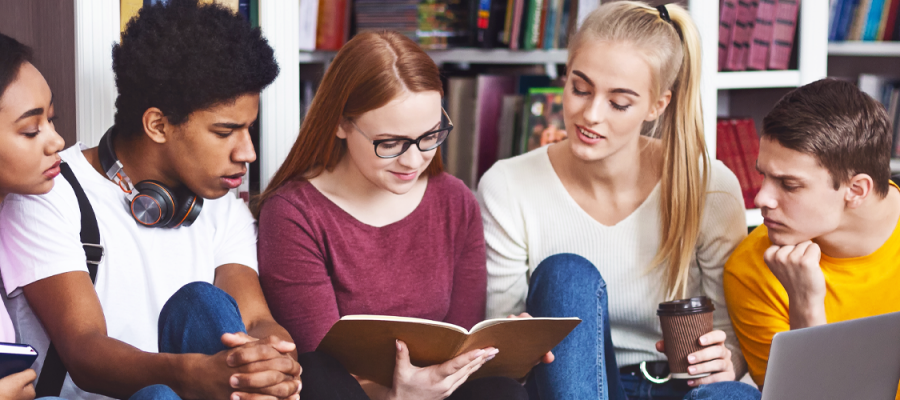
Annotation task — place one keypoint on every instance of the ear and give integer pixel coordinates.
(858, 190)
(342, 129)
(156, 125)
(659, 107)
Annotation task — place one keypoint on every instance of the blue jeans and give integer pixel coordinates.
(194, 319)
(567, 285)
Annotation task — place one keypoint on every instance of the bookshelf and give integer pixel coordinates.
(864, 49)
(467, 56)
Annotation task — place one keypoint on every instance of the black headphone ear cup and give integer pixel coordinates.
(189, 206)
(154, 204)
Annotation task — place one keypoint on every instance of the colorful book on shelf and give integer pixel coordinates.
(440, 24)
(845, 11)
(331, 32)
(727, 17)
(891, 8)
(488, 105)
(309, 17)
(748, 145)
(761, 39)
(508, 21)
(736, 59)
(515, 36)
(783, 37)
(873, 20)
(545, 9)
(860, 15)
(533, 24)
(366, 344)
(542, 118)
(461, 151)
(565, 23)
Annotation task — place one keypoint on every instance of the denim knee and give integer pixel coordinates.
(195, 317)
(155, 392)
(730, 390)
(569, 272)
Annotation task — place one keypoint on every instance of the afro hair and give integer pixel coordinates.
(182, 57)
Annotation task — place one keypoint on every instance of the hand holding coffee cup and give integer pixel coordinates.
(694, 350)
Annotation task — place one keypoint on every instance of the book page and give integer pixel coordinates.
(365, 317)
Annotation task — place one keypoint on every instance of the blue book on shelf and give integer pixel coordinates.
(843, 20)
(873, 20)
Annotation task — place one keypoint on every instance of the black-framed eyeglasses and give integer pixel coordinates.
(390, 148)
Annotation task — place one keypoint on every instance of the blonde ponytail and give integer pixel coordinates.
(672, 49)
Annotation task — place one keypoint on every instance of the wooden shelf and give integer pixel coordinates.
(754, 217)
(757, 79)
(467, 55)
(864, 49)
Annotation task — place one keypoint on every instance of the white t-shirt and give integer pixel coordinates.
(529, 215)
(142, 267)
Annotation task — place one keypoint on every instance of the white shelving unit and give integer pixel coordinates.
(864, 49)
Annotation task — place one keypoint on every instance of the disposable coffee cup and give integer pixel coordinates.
(683, 322)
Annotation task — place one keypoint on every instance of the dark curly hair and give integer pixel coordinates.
(12, 55)
(182, 57)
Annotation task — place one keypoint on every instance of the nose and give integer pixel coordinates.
(412, 158)
(765, 197)
(244, 152)
(593, 112)
(55, 143)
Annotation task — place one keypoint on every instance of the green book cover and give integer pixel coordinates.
(533, 25)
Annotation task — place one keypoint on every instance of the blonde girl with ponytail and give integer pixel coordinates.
(626, 213)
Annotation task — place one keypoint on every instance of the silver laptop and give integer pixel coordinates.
(857, 359)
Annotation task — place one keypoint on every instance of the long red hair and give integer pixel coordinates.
(368, 72)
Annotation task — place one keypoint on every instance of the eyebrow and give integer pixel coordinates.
(228, 125)
(34, 111)
(393, 136)
(617, 90)
(779, 177)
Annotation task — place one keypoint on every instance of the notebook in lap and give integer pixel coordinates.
(857, 359)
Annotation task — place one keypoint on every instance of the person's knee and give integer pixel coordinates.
(569, 272)
(731, 390)
(199, 293)
(155, 392)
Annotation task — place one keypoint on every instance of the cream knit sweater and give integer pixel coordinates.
(528, 216)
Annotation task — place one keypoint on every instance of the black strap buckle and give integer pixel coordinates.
(94, 253)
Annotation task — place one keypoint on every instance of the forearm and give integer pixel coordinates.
(373, 390)
(805, 313)
(100, 364)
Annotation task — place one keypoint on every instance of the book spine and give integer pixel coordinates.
(727, 152)
(533, 26)
(763, 31)
(331, 27)
(516, 34)
(845, 19)
(727, 16)
(545, 9)
(550, 25)
(565, 24)
(309, 15)
(859, 20)
(783, 38)
(507, 21)
(748, 35)
(739, 35)
(882, 24)
(748, 141)
(891, 20)
(873, 20)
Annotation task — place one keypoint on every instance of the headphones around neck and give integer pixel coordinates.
(152, 204)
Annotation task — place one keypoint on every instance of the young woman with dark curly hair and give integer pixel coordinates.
(361, 218)
(176, 307)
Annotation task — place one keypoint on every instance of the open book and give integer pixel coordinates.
(364, 344)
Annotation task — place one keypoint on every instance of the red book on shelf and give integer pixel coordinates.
(736, 60)
(727, 17)
(331, 32)
(545, 8)
(516, 24)
(748, 143)
(783, 38)
(488, 104)
(727, 151)
(891, 20)
(761, 40)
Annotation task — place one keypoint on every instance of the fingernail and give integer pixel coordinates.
(489, 358)
(690, 383)
(299, 386)
(397, 342)
(691, 359)
(494, 352)
(234, 381)
(479, 353)
(692, 370)
(703, 340)
(235, 397)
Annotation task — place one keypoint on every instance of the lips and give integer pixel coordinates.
(53, 171)
(588, 136)
(233, 181)
(406, 176)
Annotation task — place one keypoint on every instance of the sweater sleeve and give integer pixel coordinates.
(723, 227)
(294, 274)
(469, 275)
(507, 251)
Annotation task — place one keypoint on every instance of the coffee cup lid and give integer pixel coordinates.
(693, 305)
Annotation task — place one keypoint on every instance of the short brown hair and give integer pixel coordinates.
(847, 131)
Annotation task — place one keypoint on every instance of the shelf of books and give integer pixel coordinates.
(468, 56)
(864, 49)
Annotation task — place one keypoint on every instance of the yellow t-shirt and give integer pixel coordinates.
(758, 304)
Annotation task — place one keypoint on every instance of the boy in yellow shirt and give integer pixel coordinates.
(829, 249)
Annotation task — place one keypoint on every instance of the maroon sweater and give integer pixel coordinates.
(317, 263)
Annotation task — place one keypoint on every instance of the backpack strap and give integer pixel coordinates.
(53, 372)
